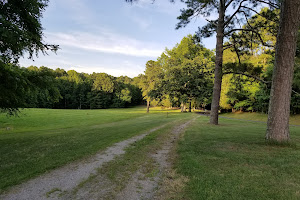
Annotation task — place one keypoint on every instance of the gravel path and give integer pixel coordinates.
(55, 184)
(142, 187)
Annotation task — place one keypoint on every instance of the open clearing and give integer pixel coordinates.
(67, 178)
(43, 139)
(127, 154)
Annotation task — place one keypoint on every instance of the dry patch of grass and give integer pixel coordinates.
(173, 185)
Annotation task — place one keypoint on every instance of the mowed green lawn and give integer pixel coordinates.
(229, 161)
(294, 119)
(232, 161)
(42, 139)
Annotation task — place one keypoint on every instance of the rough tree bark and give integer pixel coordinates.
(280, 98)
(214, 114)
(148, 105)
(190, 106)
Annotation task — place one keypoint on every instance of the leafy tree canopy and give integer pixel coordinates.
(21, 29)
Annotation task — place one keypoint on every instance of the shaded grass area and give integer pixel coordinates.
(43, 139)
(232, 161)
(294, 119)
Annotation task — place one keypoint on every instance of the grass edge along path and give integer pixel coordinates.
(118, 172)
(232, 161)
(68, 177)
(25, 155)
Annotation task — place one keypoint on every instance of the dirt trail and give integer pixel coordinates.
(55, 184)
(142, 187)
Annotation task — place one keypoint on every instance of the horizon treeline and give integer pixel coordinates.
(180, 77)
(43, 87)
(183, 76)
(185, 73)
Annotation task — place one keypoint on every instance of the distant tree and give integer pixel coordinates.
(74, 88)
(241, 94)
(187, 72)
(103, 82)
(295, 99)
(262, 96)
(146, 82)
(60, 72)
(133, 92)
(103, 88)
(44, 93)
(154, 75)
(280, 98)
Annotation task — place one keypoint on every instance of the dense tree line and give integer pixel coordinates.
(253, 94)
(246, 73)
(244, 93)
(180, 76)
(43, 87)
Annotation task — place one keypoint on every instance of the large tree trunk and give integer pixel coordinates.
(280, 98)
(214, 114)
(182, 106)
(148, 105)
(190, 107)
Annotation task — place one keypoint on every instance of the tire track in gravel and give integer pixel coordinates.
(56, 183)
(142, 187)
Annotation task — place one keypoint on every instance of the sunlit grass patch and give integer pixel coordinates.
(235, 162)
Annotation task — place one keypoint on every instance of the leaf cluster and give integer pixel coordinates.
(21, 29)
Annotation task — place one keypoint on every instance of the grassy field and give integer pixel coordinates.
(232, 161)
(43, 139)
(229, 161)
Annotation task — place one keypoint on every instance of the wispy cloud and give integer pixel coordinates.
(143, 23)
(106, 42)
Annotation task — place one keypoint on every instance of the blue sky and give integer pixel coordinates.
(111, 36)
